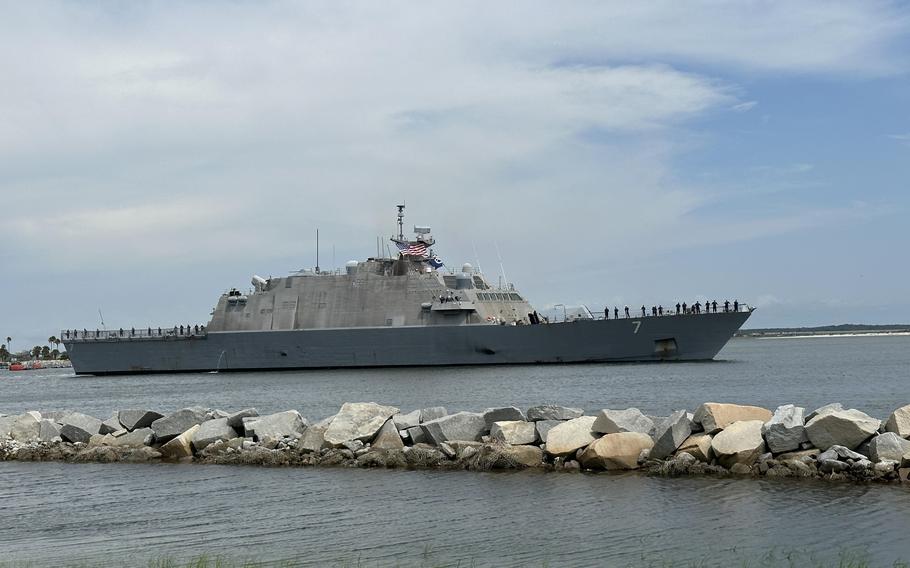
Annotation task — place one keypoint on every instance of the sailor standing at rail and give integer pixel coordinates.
(627, 311)
(607, 313)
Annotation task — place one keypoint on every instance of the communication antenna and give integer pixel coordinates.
(401, 222)
(476, 258)
(100, 315)
(317, 251)
(501, 267)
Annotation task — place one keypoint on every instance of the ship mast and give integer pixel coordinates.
(401, 223)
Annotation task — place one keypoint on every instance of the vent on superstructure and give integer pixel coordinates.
(449, 280)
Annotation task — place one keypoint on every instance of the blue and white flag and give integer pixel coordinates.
(435, 262)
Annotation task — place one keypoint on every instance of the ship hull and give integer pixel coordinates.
(667, 338)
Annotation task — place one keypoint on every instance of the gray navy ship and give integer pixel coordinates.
(390, 311)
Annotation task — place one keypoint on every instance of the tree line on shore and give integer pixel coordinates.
(49, 351)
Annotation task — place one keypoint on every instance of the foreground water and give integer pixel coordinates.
(122, 514)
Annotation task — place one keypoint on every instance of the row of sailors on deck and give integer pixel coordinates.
(178, 330)
(683, 308)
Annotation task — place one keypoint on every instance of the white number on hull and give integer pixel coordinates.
(637, 325)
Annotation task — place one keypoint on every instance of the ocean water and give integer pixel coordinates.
(56, 514)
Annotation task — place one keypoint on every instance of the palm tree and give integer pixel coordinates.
(8, 340)
(51, 341)
(4, 353)
(45, 352)
(36, 351)
(55, 354)
(57, 343)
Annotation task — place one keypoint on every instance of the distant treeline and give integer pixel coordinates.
(841, 328)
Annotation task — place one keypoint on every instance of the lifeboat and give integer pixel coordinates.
(17, 367)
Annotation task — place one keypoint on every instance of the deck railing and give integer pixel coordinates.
(132, 333)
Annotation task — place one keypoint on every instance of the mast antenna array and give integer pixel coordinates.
(401, 222)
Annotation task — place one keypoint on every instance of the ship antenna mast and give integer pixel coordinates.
(317, 251)
(401, 222)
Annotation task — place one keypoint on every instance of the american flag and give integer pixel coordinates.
(412, 249)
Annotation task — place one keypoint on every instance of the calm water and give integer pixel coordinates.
(63, 513)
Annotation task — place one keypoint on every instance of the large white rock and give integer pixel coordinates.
(178, 422)
(180, 446)
(514, 432)
(786, 430)
(287, 424)
(358, 421)
(27, 427)
(78, 427)
(571, 435)
(824, 410)
(670, 434)
(848, 428)
(466, 426)
(740, 442)
(133, 419)
(899, 422)
(388, 438)
(211, 431)
(715, 416)
(628, 420)
(616, 451)
(553, 412)
(887, 446)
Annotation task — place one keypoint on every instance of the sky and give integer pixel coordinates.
(155, 154)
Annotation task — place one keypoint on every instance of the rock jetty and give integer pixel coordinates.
(719, 439)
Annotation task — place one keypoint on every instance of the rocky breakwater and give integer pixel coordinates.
(716, 439)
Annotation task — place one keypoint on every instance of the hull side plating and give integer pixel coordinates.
(667, 338)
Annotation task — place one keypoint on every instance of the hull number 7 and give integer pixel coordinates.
(637, 325)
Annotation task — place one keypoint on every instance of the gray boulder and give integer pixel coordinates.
(287, 424)
(49, 431)
(543, 427)
(110, 425)
(78, 427)
(416, 435)
(432, 413)
(172, 425)
(848, 428)
(358, 421)
(740, 442)
(899, 422)
(26, 427)
(571, 435)
(553, 412)
(405, 421)
(459, 426)
(387, 438)
(211, 431)
(785, 431)
(180, 446)
(839, 453)
(885, 447)
(617, 421)
(504, 414)
(235, 420)
(670, 434)
(514, 432)
(6, 422)
(134, 439)
(133, 419)
(313, 438)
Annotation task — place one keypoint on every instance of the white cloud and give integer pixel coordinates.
(744, 107)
